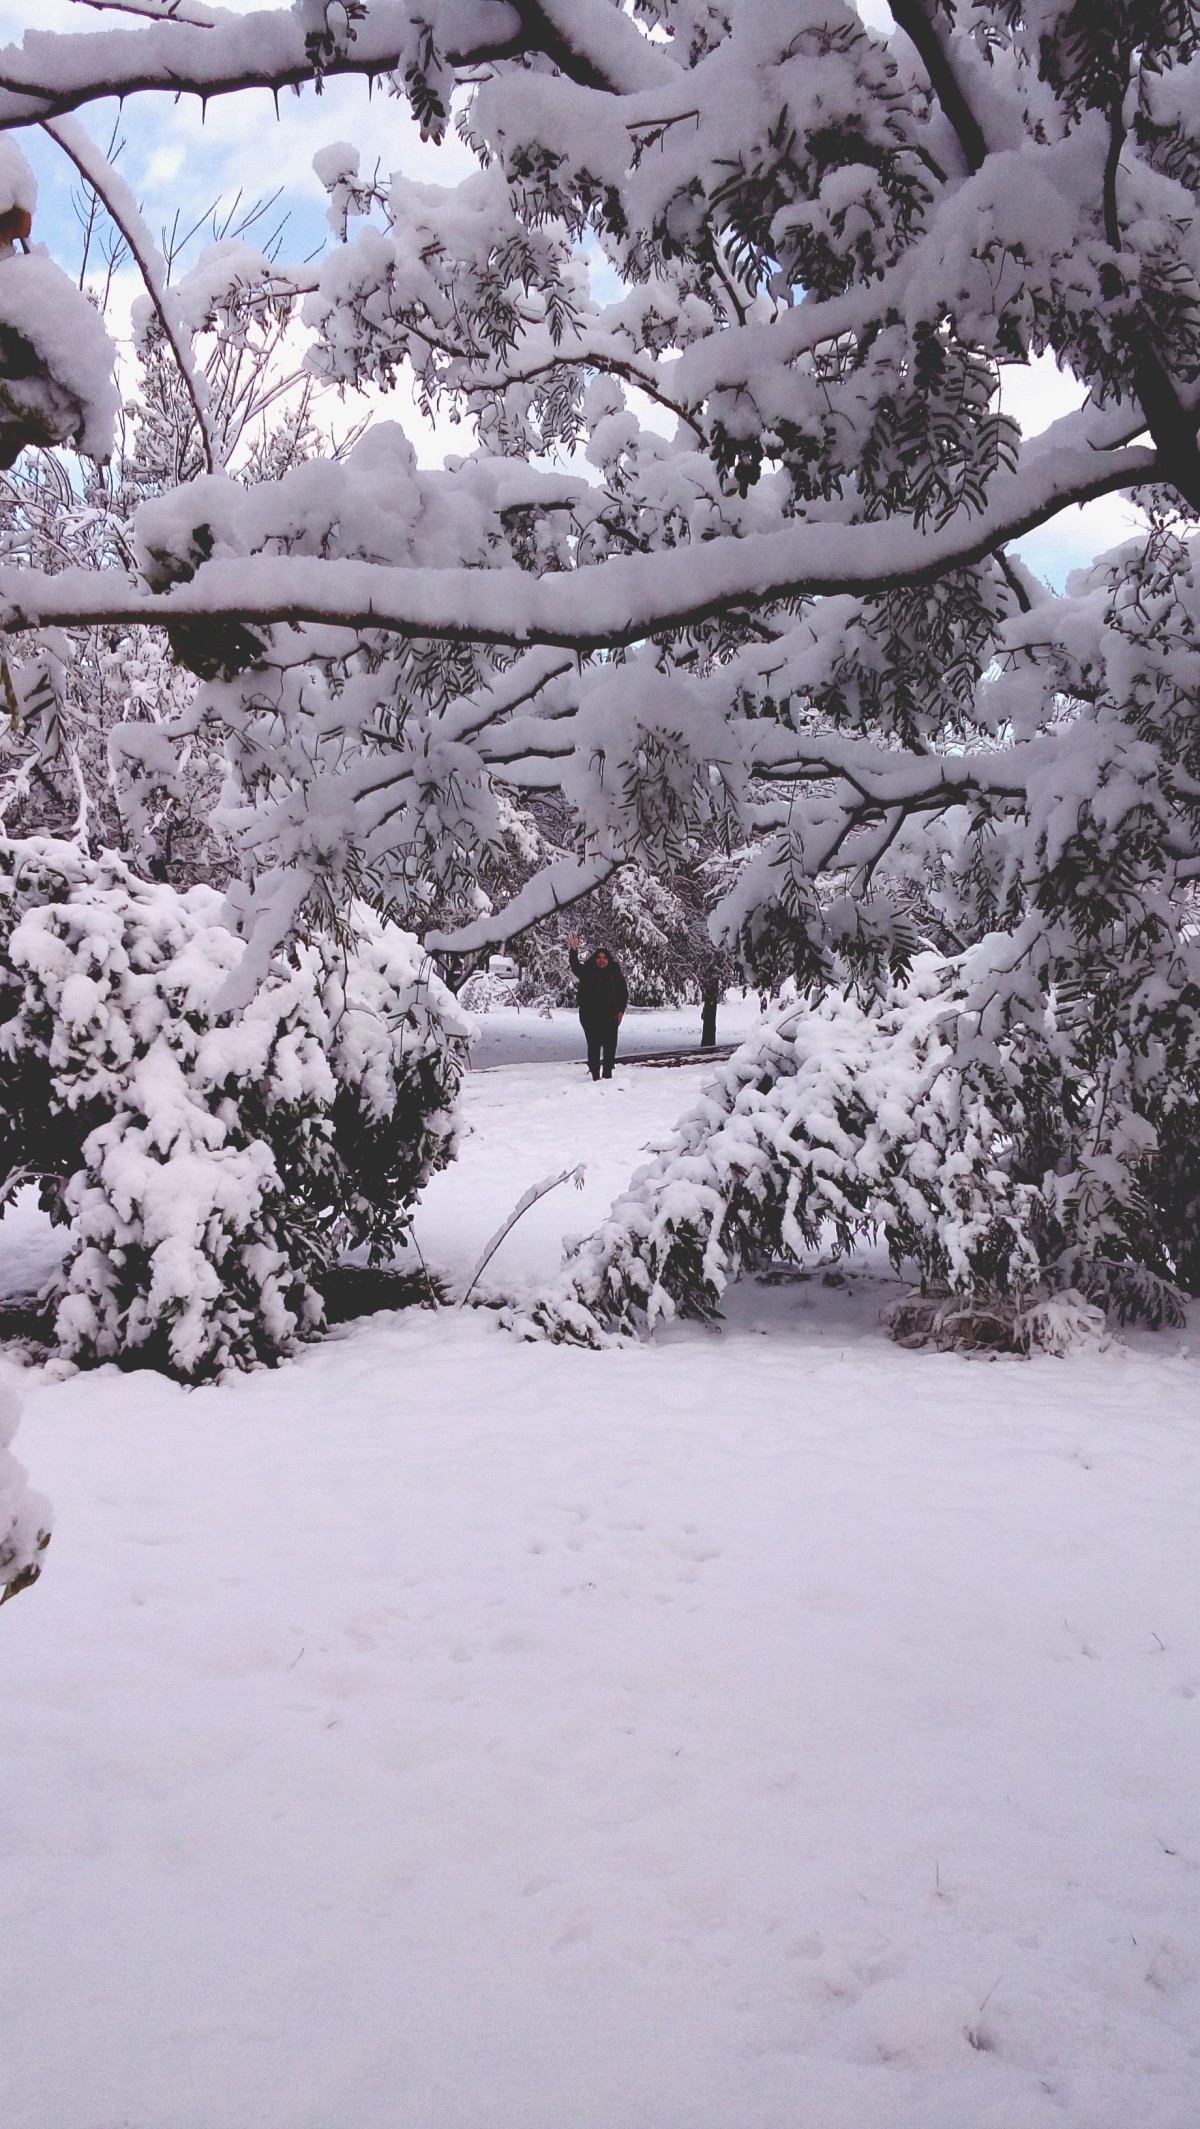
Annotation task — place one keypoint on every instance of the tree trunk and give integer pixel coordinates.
(709, 1000)
(455, 968)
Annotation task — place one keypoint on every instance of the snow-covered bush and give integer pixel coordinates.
(485, 992)
(991, 1168)
(212, 1162)
(25, 1518)
(996, 1323)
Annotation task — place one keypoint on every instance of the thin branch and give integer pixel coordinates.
(184, 12)
(564, 357)
(522, 1206)
(110, 187)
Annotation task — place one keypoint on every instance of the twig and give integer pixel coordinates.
(110, 187)
(182, 11)
(17, 1180)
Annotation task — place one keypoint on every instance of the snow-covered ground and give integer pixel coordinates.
(521, 1034)
(760, 1728)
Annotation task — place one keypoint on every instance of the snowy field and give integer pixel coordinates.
(768, 1729)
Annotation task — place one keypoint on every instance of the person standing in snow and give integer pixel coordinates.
(603, 997)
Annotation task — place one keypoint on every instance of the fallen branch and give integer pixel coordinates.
(538, 1190)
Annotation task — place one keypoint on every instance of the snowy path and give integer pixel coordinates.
(749, 1732)
(520, 1035)
(526, 1122)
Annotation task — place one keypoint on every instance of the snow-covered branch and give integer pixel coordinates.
(558, 887)
(619, 602)
(51, 73)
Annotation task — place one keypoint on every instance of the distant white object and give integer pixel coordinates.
(25, 1517)
(504, 966)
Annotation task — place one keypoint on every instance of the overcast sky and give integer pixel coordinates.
(180, 160)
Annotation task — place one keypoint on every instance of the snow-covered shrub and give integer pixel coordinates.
(484, 992)
(831, 1122)
(989, 1168)
(996, 1323)
(1058, 1323)
(211, 1162)
(25, 1518)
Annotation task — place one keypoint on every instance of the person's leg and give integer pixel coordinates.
(610, 1049)
(593, 1050)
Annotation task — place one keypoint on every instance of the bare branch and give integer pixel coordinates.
(182, 11)
(110, 187)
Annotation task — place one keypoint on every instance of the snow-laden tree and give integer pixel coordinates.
(211, 1163)
(80, 755)
(726, 312)
(987, 1168)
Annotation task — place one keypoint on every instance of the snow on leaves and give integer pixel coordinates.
(211, 1163)
(56, 359)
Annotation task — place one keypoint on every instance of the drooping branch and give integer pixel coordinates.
(110, 187)
(558, 887)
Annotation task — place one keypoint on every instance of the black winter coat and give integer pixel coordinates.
(603, 992)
